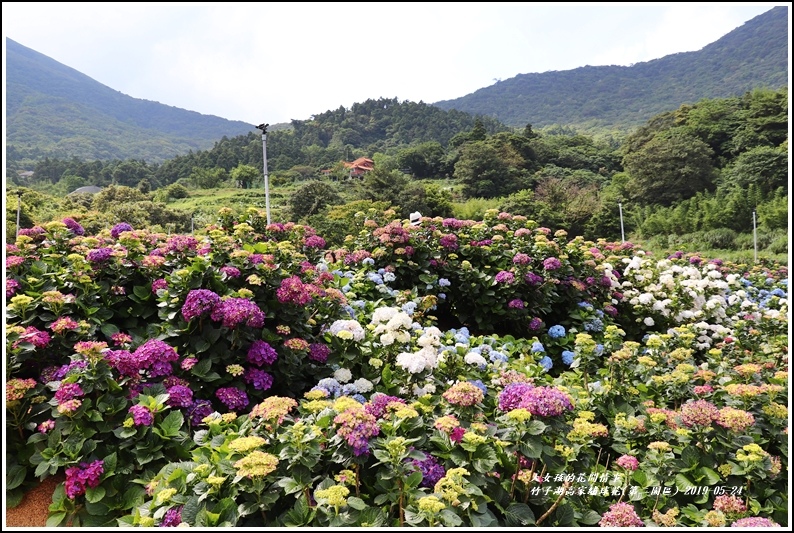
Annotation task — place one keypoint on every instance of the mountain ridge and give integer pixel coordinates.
(754, 55)
(55, 111)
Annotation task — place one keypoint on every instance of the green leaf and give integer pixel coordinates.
(484, 519)
(519, 514)
(690, 457)
(711, 477)
(485, 459)
(590, 518)
(133, 497)
(55, 519)
(190, 510)
(108, 329)
(15, 476)
(356, 503)
(536, 427)
(144, 293)
(413, 480)
(564, 514)
(95, 494)
(172, 423)
(683, 483)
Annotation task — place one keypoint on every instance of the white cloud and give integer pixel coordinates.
(276, 61)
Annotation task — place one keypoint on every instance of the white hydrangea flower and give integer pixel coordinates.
(343, 375)
(363, 385)
(411, 362)
(473, 358)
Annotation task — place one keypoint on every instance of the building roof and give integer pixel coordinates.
(90, 189)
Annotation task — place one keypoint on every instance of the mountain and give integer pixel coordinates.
(53, 110)
(752, 56)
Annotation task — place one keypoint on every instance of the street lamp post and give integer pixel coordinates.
(263, 127)
(19, 208)
(622, 234)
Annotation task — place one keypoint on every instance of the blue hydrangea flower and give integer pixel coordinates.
(444, 282)
(537, 347)
(599, 349)
(594, 325)
(480, 385)
(497, 357)
(377, 279)
(546, 363)
(567, 357)
(368, 261)
(556, 332)
(359, 398)
(409, 308)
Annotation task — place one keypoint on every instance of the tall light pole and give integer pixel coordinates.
(622, 234)
(19, 208)
(263, 127)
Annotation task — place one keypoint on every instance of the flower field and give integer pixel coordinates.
(444, 373)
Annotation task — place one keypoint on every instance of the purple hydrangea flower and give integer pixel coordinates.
(261, 353)
(199, 410)
(180, 396)
(78, 478)
(260, 379)
(198, 302)
(431, 470)
(315, 241)
(73, 226)
(232, 397)
(546, 401)
(234, 311)
(173, 517)
(99, 255)
(551, 263)
(120, 228)
(141, 415)
(511, 395)
(532, 278)
(505, 276)
(230, 271)
(319, 352)
(159, 284)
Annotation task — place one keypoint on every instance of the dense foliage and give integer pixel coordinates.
(448, 372)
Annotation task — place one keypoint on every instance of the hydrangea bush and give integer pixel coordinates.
(449, 373)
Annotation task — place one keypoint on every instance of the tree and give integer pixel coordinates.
(483, 172)
(245, 175)
(423, 160)
(114, 195)
(670, 167)
(764, 166)
(312, 198)
(204, 178)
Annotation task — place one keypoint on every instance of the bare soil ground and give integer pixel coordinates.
(33, 510)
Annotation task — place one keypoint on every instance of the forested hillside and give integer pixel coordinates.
(698, 172)
(619, 98)
(53, 110)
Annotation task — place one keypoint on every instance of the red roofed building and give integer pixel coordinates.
(359, 167)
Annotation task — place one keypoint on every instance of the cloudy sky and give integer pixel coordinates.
(274, 61)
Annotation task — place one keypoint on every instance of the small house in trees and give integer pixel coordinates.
(359, 167)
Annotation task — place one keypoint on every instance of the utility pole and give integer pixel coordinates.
(263, 127)
(19, 208)
(622, 234)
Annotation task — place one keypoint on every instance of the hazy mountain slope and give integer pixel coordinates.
(753, 55)
(55, 110)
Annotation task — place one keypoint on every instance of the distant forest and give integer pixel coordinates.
(704, 167)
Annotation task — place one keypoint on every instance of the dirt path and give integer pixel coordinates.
(32, 512)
